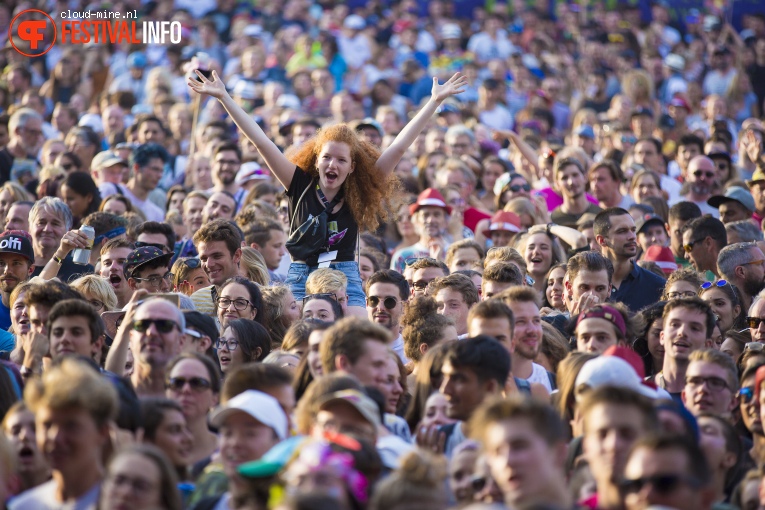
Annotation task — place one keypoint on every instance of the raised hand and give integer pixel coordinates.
(214, 88)
(453, 86)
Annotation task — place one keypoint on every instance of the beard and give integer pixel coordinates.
(753, 287)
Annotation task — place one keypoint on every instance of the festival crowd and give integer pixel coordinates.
(385, 255)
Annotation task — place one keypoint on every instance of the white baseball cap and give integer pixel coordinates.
(257, 404)
(611, 371)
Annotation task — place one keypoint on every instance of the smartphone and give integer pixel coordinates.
(206, 73)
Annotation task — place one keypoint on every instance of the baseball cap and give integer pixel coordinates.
(105, 159)
(144, 255)
(262, 407)
(273, 460)
(506, 221)
(136, 59)
(251, 171)
(646, 221)
(355, 22)
(17, 242)
(675, 62)
(758, 176)
(733, 194)
(662, 256)
(93, 121)
(369, 122)
(586, 131)
(365, 406)
(610, 371)
(642, 110)
(202, 323)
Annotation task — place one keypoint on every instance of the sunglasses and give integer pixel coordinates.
(515, 188)
(708, 285)
(198, 384)
(745, 394)
(708, 175)
(689, 247)
(754, 346)
(389, 302)
(330, 295)
(163, 325)
(675, 295)
(629, 139)
(754, 323)
(662, 484)
(191, 262)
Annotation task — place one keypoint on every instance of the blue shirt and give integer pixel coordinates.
(639, 289)
(5, 316)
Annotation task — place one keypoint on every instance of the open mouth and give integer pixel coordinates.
(330, 176)
(26, 453)
(536, 260)
(115, 279)
(225, 360)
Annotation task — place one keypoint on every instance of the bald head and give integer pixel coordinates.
(701, 176)
(157, 333)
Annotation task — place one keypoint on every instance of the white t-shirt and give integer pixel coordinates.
(43, 497)
(539, 376)
(149, 208)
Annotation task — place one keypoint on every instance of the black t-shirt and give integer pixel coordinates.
(69, 271)
(343, 230)
(6, 162)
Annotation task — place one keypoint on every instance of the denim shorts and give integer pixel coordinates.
(298, 274)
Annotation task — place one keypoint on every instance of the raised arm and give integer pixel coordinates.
(281, 167)
(527, 151)
(395, 151)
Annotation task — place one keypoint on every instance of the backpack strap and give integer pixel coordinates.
(524, 386)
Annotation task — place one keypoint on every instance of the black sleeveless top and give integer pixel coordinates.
(343, 230)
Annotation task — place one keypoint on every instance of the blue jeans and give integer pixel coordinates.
(298, 274)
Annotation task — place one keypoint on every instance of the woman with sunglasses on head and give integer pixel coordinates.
(242, 341)
(193, 380)
(724, 300)
(239, 298)
(188, 276)
(323, 307)
(335, 174)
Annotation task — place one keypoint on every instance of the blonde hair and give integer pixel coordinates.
(418, 480)
(505, 254)
(522, 205)
(254, 265)
(18, 192)
(638, 86)
(99, 288)
(73, 384)
(325, 280)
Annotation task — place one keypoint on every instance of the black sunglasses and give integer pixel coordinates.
(198, 384)
(389, 302)
(163, 325)
(754, 322)
(662, 484)
(515, 188)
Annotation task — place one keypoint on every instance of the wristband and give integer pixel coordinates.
(58, 260)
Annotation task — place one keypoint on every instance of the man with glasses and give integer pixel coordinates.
(666, 471)
(147, 268)
(156, 335)
(756, 319)
(26, 138)
(703, 239)
(701, 180)
(226, 161)
(743, 265)
(386, 292)
(711, 383)
(424, 271)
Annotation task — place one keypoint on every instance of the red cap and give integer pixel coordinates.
(503, 220)
(680, 102)
(663, 257)
(759, 378)
(606, 312)
(430, 198)
(629, 356)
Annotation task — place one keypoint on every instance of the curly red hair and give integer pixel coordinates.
(367, 190)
